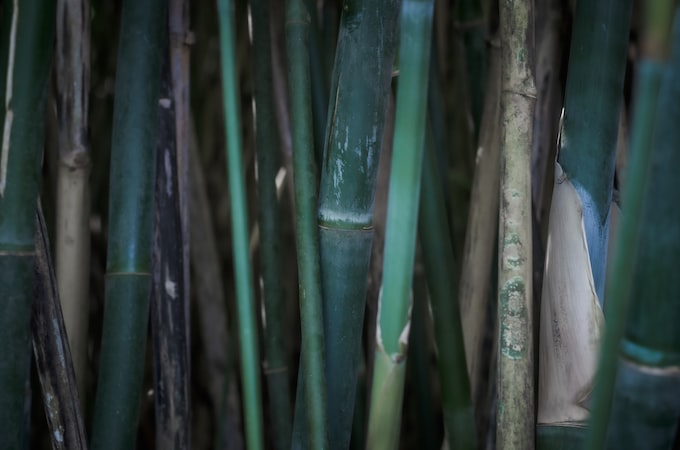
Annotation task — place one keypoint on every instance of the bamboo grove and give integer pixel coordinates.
(339, 224)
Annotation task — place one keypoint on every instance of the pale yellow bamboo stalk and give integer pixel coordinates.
(72, 243)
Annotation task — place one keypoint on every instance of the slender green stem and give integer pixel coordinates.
(26, 48)
(250, 360)
(438, 257)
(311, 314)
(402, 212)
(515, 428)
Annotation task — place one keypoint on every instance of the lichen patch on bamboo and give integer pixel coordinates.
(514, 325)
(9, 114)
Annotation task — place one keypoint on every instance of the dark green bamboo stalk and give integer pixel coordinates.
(353, 142)
(52, 354)
(515, 427)
(131, 206)
(473, 27)
(311, 315)
(26, 46)
(169, 320)
(435, 242)
(319, 81)
(640, 402)
(250, 359)
(592, 104)
(266, 141)
(401, 226)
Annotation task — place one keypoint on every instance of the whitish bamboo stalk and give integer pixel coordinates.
(515, 429)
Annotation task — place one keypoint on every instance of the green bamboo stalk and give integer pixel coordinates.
(267, 146)
(169, 320)
(131, 206)
(354, 138)
(515, 427)
(250, 360)
(435, 241)
(402, 211)
(587, 147)
(52, 354)
(26, 46)
(641, 406)
(472, 24)
(72, 241)
(312, 364)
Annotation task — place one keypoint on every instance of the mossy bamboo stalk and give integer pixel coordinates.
(515, 427)
(26, 46)
(169, 327)
(250, 360)
(131, 206)
(587, 146)
(312, 364)
(52, 354)
(435, 241)
(266, 141)
(354, 136)
(401, 226)
(640, 401)
(72, 241)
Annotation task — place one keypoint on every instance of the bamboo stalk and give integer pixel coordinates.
(276, 364)
(128, 277)
(639, 402)
(312, 364)
(169, 320)
(587, 147)
(250, 360)
(401, 226)
(345, 211)
(52, 354)
(459, 420)
(26, 46)
(515, 429)
(72, 241)
(473, 28)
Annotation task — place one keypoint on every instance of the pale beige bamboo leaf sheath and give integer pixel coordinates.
(571, 317)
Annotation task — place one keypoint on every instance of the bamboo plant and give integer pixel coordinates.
(72, 241)
(312, 377)
(26, 45)
(571, 315)
(401, 226)
(250, 361)
(435, 241)
(515, 428)
(169, 320)
(128, 277)
(266, 142)
(345, 212)
(637, 384)
(52, 354)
